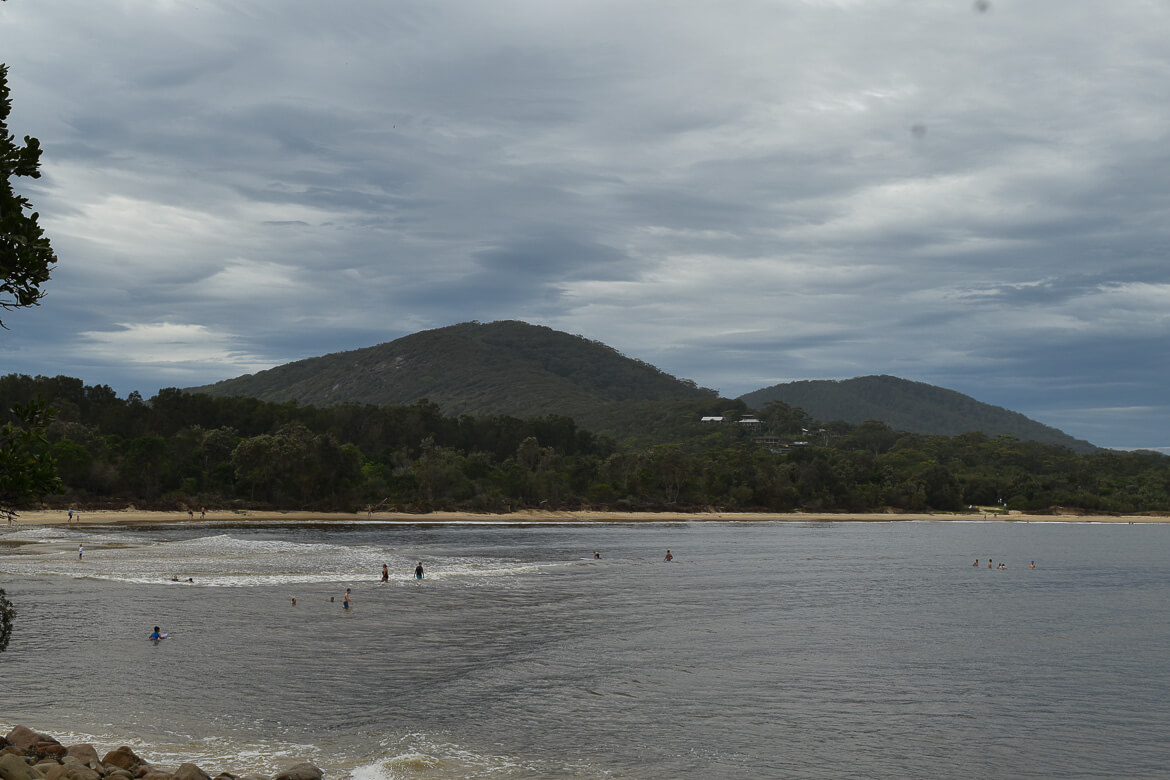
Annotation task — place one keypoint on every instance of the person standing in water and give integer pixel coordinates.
(80, 551)
(418, 571)
(668, 557)
(345, 601)
(156, 636)
(385, 573)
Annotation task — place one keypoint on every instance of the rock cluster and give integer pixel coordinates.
(28, 755)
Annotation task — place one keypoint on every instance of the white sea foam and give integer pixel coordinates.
(47, 534)
(423, 756)
(227, 560)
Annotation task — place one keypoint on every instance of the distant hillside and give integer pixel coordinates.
(510, 368)
(908, 406)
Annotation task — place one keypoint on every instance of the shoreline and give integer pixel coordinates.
(57, 517)
(32, 755)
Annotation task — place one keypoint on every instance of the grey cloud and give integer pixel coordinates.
(553, 256)
(736, 196)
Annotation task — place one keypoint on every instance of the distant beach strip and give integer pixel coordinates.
(134, 516)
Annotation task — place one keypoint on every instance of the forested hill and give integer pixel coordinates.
(182, 450)
(903, 405)
(511, 368)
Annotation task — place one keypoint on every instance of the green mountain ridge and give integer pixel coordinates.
(911, 406)
(508, 367)
(527, 371)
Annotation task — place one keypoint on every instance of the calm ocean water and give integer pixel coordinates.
(780, 650)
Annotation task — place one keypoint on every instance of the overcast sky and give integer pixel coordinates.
(742, 192)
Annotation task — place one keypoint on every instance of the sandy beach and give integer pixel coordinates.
(134, 516)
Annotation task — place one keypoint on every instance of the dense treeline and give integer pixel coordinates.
(180, 449)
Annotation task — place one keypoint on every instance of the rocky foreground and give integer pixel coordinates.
(28, 755)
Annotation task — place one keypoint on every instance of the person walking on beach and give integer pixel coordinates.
(385, 573)
(418, 571)
(345, 601)
(71, 514)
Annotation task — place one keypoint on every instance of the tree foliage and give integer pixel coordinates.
(7, 614)
(27, 470)
(26, 257)
(179, 449)
(27, 467)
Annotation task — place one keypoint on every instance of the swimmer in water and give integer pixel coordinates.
(976, 562)
(156, 636)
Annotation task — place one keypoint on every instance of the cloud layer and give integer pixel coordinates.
(968, 194)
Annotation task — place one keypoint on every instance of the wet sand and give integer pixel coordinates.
(134, 516)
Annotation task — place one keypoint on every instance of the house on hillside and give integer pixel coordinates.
(747, 422)
(774, 444)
